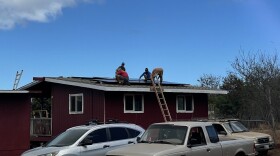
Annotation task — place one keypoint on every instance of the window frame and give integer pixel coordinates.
(185, 104)
(76, 104)
(133, 109)
(199, 130)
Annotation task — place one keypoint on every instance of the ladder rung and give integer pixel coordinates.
(161, 100)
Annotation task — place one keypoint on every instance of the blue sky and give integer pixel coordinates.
(87, 38)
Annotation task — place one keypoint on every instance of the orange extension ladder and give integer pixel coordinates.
(161, 100)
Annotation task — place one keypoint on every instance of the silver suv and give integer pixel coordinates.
(88, 140)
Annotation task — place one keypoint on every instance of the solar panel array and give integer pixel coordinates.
(132, 81)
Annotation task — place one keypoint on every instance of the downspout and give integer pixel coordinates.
(104, 109)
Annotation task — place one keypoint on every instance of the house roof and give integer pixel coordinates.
(110, 84)
(13, 91)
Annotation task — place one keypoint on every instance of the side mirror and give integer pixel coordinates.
(223, 132)
(85, 142)
(138, 139)
(214, 139)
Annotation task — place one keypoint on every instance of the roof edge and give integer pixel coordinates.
(14, 91)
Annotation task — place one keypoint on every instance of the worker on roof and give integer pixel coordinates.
(157, 72)
(146, 74)
(122, 77)
(121, 66)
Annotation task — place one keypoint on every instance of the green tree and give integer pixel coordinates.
(232, 106)
(41, 103)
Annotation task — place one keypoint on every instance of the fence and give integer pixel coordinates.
(40, 127)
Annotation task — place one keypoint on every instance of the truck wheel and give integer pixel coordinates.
(240, 154)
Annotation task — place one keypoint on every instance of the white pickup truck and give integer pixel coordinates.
(232, 128)
(185, 139)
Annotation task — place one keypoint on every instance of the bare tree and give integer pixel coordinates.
(211, 82)
(260, 74)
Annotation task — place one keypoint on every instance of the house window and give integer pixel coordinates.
(76, 104)
(133, 104)
(184, 104)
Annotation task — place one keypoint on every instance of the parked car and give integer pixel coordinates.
(89, 140)
(185, 138)
(229, 128)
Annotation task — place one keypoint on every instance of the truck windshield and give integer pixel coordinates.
(66, 138)
(165, 134)
(235, 127)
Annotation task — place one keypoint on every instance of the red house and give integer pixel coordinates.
(14, 118)
(78, 100)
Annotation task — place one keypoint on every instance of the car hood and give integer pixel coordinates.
(250, 135)
(143, 149)
(42, 150)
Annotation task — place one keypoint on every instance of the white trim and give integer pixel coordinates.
(14, 91)
(133, 89)
(76, 95)
(133, 109)
(185, 104)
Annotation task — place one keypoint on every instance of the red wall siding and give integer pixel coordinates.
(61, 119)
(94, 104)
(15, 123)
(200, 107)
(152, 113)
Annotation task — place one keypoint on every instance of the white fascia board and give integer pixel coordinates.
(196, 91)
(14, 91)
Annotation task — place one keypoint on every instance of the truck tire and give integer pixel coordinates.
(240, 154)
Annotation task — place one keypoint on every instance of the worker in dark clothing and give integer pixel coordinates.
(146, 74)
(121, 67)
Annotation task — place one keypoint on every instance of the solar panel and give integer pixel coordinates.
(132, 81)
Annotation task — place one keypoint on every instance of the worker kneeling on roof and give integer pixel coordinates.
(146, 74)
(122, 77)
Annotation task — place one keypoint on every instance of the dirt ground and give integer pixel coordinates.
(274, 152)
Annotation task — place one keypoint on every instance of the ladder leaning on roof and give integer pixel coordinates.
(161, 100)
(18, 76)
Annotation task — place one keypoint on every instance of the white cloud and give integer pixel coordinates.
(17, 12)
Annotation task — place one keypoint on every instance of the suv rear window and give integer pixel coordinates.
(98, 136)
(133, 133)
(118, 133)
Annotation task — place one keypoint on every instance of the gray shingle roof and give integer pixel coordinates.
(110, 84)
